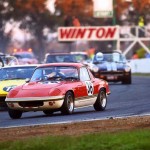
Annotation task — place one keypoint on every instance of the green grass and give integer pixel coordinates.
(141, 74)
(129, 140)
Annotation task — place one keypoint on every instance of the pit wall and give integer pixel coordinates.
(140, 65)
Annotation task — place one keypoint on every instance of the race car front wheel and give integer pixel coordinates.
(68, 105)
(127, 80)
(14, 114)
(101, 101)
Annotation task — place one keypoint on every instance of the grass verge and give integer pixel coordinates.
(141, 74)
(129, 140)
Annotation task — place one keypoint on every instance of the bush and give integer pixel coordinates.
(141, 53)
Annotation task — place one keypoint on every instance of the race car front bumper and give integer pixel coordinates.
(112, 75)
(35, 103)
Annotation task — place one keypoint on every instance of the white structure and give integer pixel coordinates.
(140, 65)
(134, 34)
(103, 8)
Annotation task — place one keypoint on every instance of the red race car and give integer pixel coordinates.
(58, 87)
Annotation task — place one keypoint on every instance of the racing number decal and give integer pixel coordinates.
(89, 87)
(8, 88)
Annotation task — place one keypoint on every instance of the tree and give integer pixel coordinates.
(84, 10)
(32, 16)
(140, 8)
(4, 37)
(80, 8)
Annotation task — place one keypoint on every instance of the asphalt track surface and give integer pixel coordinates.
(125, 100)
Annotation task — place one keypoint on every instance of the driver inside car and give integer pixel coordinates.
(56, 74)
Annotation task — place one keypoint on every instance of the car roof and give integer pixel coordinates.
(80, 53)
(6, 55)
(112, 51)
(58, 54)
(18, 66)
(77, 65)
(22, 52)
(1, 55)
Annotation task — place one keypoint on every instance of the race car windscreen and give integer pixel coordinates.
(54, 73)
(60, 58)
(109, 57)
(16, 73)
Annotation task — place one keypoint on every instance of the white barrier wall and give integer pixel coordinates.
(140, 65)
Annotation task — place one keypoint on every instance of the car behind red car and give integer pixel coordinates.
(25, 57)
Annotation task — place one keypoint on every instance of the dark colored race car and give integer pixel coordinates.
(25, 57)
(59, 57)
(8, 60)
(111, 66)
(80, 56)
(58, 87)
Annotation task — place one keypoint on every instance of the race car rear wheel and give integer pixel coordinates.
(14, 114)
(47, 112)
(101, 101)
(68, 105)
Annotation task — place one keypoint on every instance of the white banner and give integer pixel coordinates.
(102, 8)
(92, 33)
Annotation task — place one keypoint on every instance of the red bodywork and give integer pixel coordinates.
(78, 87)
(55, 91)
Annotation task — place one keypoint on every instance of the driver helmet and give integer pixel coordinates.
(99, 56)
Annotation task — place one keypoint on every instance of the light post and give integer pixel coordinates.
(114, 21)
(114, 13)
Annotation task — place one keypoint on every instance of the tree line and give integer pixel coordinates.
(33, 16)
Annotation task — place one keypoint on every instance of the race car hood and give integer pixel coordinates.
(41, 85)
(36, 89)
(7, 85)
(111, 66)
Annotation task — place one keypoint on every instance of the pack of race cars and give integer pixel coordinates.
(61, 86)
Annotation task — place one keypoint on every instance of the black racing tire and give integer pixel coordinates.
(48, 112)
(68, 104)
(127, 79)
(101, 101)
(1, 62)
(14, 114)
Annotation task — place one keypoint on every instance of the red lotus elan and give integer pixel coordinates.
(58, 87)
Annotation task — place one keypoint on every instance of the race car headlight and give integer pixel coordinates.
(127, 69)
(12, 93)
(95, 69)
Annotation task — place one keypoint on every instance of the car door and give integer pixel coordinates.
(85, 88)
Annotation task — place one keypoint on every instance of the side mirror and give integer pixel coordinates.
(27, 80)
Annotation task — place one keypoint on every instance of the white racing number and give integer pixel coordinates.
(89, 87)
(8, 88)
